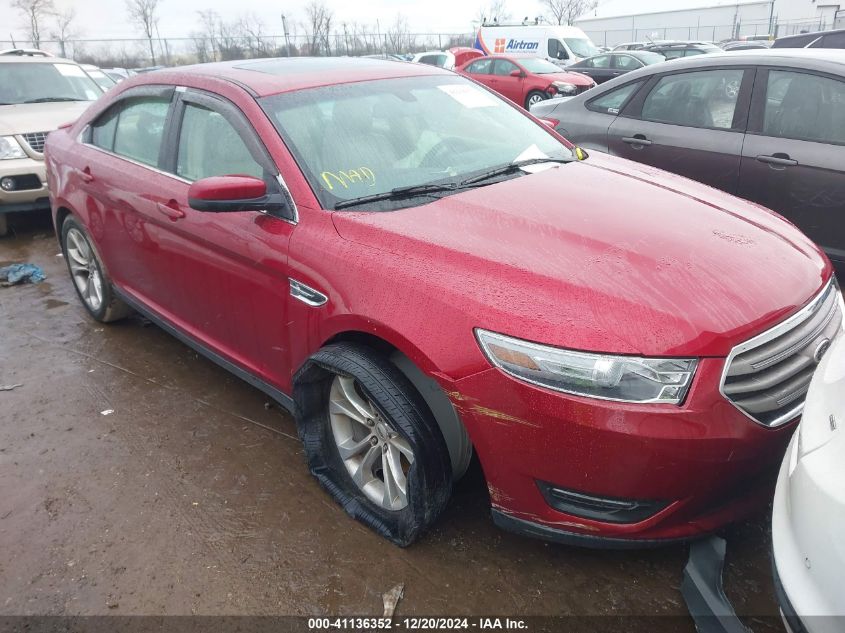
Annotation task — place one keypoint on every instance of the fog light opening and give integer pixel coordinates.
(7, 184)
(606, 509)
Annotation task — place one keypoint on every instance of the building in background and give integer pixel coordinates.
(616, 21)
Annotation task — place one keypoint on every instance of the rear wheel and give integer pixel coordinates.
(371, 441)
(535, 96)
(89, 278)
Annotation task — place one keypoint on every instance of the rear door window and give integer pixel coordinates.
(140, 130)
(704, 99)
(806, 107)
(503, 67)
(599, 61)
(613, 101)
(481, 67)
(433, 60)
(626, 62)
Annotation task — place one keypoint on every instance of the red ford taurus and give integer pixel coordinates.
(526, 80)
(419, 271)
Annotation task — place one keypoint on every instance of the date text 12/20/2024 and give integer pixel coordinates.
(416, 624)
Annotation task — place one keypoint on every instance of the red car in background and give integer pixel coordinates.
(525, 80)
(418, 270)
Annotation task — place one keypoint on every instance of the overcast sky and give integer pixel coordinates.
(107, 18)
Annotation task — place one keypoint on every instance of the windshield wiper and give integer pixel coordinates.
(399, 193)
(510, 168)
(51, 99)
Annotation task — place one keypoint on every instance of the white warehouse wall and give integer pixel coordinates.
(619, 20)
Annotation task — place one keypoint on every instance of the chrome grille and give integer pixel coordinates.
(768, 376)
(36, 141)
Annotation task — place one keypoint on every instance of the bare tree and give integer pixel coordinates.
(398, 36)
(143, 13)
(35, 12)
(207, 37)
(318, 26)
(494, 11)
(567, 11)
(65, 29)
(252, 30)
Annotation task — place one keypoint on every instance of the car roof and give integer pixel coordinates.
(270, 76)
(28, 59)
(810, 35)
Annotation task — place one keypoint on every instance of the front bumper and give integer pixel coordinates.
(705, 462)
(32, 176)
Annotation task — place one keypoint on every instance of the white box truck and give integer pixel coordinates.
(563, 45)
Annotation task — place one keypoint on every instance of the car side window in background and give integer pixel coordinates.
(805, 107)
(599, 61)
(210, 146)
(696, 99)
(615, 100)
(481, 67)
(140, 130)
(691, 52)
(433, 60)
(626, 62)
(557, 50)
(503, 67)
(673, 53)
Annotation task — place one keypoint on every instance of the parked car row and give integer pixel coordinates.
(768, 126)
(38, 93)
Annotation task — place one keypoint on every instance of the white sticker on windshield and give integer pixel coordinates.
(470, 96)
(531, 152)
(70, 70)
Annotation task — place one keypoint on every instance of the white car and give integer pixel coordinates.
(808, 520)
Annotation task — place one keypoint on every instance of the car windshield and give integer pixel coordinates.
(104, 81)
(582, 47)
(539, 66)
(37, 83)
(372, 137)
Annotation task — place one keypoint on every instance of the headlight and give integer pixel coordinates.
(10, 148)
(565, 88)
(622, 378)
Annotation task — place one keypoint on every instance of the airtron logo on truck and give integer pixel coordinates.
(504, 45)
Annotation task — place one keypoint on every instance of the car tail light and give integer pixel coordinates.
(552, 123)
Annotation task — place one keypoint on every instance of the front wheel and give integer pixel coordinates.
(371, 441)
(534, 97)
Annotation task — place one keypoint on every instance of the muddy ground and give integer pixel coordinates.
(192, 497)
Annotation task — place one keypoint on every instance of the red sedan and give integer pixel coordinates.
(419, 271)
(526, 80)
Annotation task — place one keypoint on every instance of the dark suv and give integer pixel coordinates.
(820, 39)
(768, 126)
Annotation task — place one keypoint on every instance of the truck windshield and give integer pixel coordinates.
(582, 47)
(370, 138)
(40, 83)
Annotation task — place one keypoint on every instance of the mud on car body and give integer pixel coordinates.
(420, 270)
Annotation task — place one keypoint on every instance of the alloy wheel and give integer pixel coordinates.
(376, 457)
(84, 269)
(534, 99)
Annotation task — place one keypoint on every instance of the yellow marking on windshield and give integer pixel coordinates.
(344, 178)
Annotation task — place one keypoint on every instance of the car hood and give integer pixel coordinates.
(576, 78)
(39, 117)
(604, 255)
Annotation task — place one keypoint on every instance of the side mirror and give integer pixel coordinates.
(219, 194)
(517, 73)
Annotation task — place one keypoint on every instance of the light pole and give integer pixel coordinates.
(285, 30)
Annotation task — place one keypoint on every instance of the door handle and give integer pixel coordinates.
(85, 175)
(780, 160)
(171, 210)
(637, 139)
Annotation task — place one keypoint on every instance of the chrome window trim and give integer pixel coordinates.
(280, 180)
(784, 326)
(135, 162)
